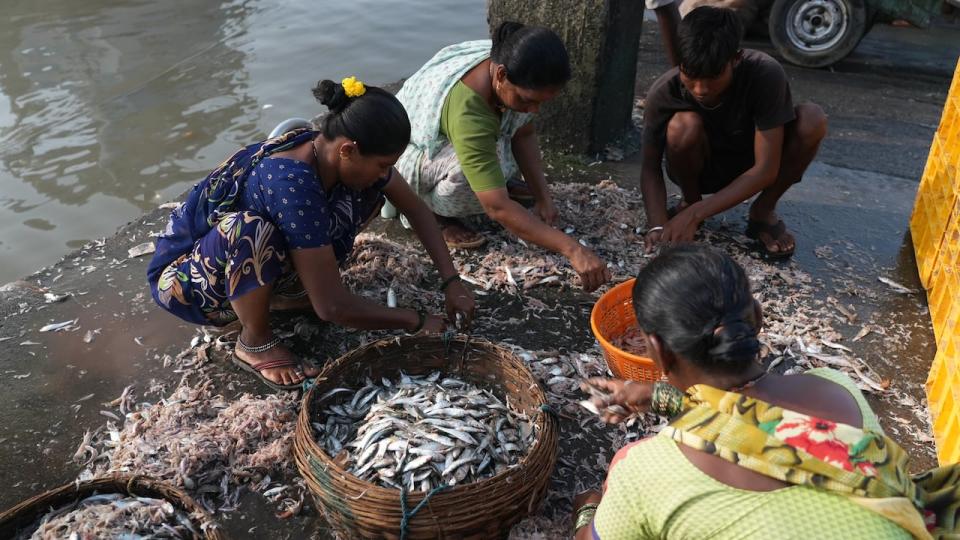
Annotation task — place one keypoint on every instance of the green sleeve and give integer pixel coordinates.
(472, 129)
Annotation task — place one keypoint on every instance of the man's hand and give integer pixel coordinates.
(546, 211)
(592, 270)
(681, 228)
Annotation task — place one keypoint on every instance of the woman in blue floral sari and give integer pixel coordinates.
(275, 221)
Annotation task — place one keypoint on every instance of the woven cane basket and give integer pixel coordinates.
(485, 509)
(29, 511)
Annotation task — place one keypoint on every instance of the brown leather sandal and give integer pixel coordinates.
(446, 223)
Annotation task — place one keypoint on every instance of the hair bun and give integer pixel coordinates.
(331, 94)
(504, 31)
(734, 342)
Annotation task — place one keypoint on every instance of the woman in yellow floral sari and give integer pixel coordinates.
(748, 454)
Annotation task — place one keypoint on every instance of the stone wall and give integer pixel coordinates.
(602, 38)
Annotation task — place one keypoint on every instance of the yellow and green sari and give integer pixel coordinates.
(850, 470)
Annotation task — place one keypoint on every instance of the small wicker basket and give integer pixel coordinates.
(29, 511)
(485, 509)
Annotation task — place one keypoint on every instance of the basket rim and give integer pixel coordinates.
(541, 419)
(604, 343)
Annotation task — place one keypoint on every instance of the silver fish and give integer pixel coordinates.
(423, 431)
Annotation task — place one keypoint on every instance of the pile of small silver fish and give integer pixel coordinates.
(114, 515)
(421, 432)
(631, 341)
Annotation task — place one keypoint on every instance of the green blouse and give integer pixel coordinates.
(472, 128)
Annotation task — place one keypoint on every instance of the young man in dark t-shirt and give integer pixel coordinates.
(726, 123)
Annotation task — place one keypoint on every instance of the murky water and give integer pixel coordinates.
(109, 107)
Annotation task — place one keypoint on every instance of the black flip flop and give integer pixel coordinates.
(756, 228)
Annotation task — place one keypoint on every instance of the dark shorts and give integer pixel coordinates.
(720, 170)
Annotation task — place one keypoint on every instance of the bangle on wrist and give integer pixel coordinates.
(446, 283)
(653, 229)
(421, 320)
(585, 515)
(666, 400)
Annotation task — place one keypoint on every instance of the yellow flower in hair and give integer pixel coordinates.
(353, 88)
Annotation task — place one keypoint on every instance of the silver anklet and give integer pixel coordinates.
(259, 348)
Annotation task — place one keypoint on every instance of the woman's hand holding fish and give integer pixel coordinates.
(616, 400)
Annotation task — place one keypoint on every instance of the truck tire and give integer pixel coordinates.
(817, 33)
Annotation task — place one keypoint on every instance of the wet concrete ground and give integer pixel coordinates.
(850, 215)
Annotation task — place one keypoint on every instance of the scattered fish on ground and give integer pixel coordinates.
(198, 440)
(60, 326)
(53, 298)
(896, 287)
(140, 250)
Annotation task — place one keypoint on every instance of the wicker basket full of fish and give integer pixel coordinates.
(431, 438)
(117, 506)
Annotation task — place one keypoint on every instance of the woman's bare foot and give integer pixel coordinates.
(287, 375)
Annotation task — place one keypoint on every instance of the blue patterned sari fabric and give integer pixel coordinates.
(235, 230)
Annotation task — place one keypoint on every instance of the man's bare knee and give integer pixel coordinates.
(811, 124)
(685, 132)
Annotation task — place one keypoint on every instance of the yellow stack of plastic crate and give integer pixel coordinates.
(943, 382)
(935, 227)
(938, 188)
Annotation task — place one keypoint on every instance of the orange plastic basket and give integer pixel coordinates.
(612, 315)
